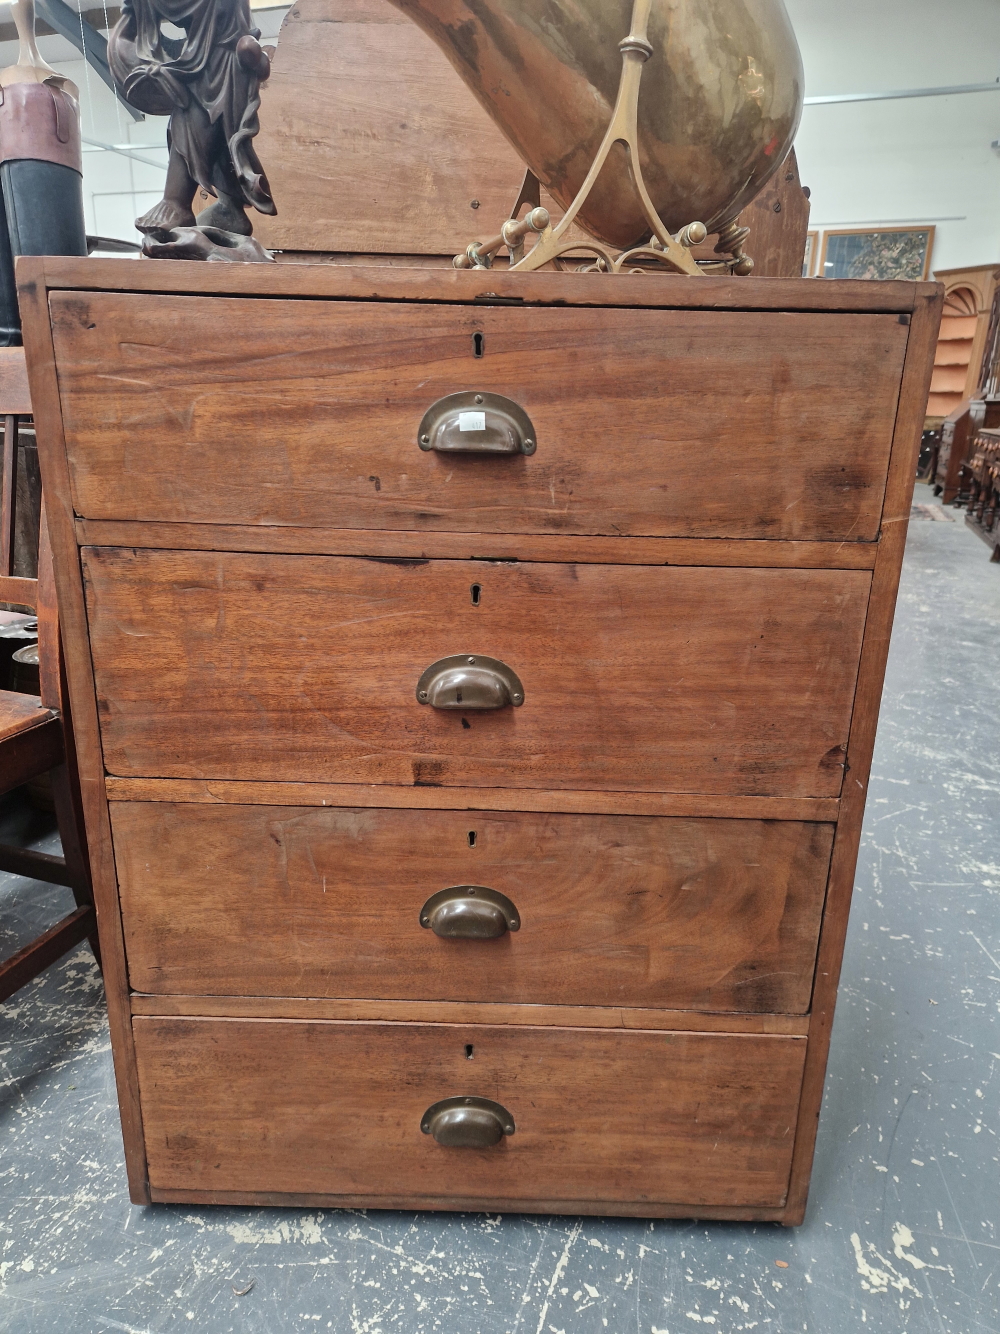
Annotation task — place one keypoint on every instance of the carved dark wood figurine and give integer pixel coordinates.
(208, 81)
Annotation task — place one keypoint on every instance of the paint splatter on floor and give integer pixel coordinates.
(902, 1232)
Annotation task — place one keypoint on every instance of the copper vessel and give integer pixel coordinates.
(719, 103)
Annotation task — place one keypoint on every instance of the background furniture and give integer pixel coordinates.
(35, 736)
(606, 915)
(965, 318)
(958, 368)
(377, 152)
(983, 505)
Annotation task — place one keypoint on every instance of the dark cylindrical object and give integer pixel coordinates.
(41, 176)
(44, 206)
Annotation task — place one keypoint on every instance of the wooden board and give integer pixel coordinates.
(372, 142)
(200, 1006)
(217, 665)
(899, 495)
(708, 914)
(636, 414)
(336, 1108)
(449, 285)
(14, 395)
(687, 805)
(20, 713)
(777, 554)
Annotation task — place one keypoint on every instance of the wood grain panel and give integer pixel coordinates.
(565, 801)
(335, 1108)
(779, 554)
(707, 914)
(14, 393)
(466, 1012)
(21, 713)
(492, 288)
(478, 1204)
(44, 386)
(899, 495)
(371, 140)
(213, 665)
(637, 416)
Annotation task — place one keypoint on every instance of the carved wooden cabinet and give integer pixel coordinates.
(368, 941)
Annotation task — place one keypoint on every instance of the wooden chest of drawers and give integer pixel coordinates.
(577, 952)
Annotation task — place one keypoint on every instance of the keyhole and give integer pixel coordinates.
(469, 1051)
(478, 344)
(472, 838)
(476, 590)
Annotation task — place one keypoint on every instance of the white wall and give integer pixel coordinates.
(918, 160)
(913, 160)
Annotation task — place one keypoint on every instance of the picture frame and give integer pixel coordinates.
(809, 257)
(878, 253)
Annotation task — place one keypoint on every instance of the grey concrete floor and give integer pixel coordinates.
(902, 1230)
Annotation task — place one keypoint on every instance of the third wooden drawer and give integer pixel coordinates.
(713, 914)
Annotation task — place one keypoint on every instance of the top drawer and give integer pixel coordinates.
(648, 422)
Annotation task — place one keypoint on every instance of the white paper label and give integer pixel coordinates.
(472, 421)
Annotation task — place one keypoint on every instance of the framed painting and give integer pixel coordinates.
(878, 252)
(809, 258)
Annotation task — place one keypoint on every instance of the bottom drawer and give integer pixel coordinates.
(329, 1108)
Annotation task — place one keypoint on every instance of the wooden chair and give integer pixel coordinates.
(35, 733)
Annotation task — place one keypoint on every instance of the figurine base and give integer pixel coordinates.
(210, 243)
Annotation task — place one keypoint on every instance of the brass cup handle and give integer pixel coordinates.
(467, 1123)
(468, 681)
(476, 423)
(469, 912)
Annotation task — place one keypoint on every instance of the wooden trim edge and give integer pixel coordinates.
(364, 1010)
(587, 548)
(239, 792)
(917, 370)
(470, 1205)
(49, 434)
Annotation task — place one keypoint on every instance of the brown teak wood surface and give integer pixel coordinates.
(79, 671)
(200, 1006)
(293, 1106)
(700, 914)
(588, 550)
(914, 309)
(636, 414)
(896, 514)
(212, 665)
(560, 801)
(338, 282)
(14, 394)
(372, 142)
(20, 713)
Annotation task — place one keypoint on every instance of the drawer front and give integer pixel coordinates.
(219, 665)
(648, 422)
(336, 1108)
(611, 910)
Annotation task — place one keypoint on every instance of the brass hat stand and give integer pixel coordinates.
(662, 250)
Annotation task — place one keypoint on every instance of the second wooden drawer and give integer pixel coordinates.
(305, 669)
(612, 910)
